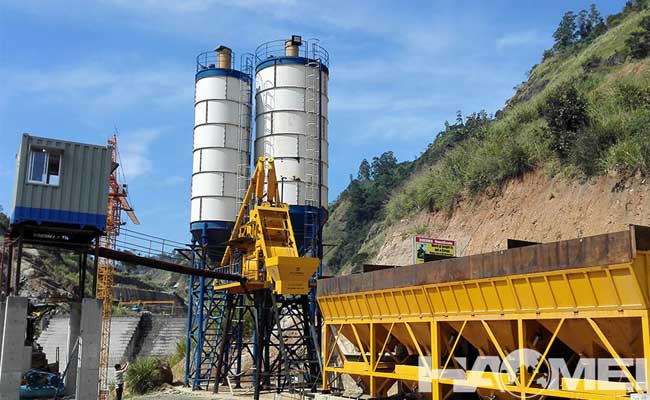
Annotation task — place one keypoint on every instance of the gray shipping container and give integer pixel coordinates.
(61, 183)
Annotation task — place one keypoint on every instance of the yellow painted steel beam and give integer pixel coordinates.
(504, 359)
(614, 354)
(523, 388)
(543, 357)
(604, 313)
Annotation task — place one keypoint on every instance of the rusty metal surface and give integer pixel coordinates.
(599, 250)
(376, 267)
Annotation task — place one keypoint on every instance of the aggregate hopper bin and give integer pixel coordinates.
(527, 309)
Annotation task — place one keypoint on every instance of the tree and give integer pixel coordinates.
(635, 5)
(364, 170)
(590, 23)
(459, 117)
(565, 111)
(384, 172)
(596, 21)
(584, 25)
(4, 221)
(639, 42)
(565, 33)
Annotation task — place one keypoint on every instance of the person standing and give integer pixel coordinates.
(119, 380)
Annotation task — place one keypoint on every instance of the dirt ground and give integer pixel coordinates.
(533, 208)
(183, 393)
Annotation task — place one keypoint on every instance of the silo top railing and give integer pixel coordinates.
(276, 49)
(208, 60)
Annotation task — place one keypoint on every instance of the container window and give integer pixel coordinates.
(44, 167)
(53, 169)
(38, 166)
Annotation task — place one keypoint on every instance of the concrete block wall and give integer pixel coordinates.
(161, 342)
(55, 336)
(12, 351)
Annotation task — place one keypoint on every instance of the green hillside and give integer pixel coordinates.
(584, 111)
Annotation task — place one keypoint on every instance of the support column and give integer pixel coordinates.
(10, 263)
(435, 360)
(19, 260)
(326, 353)
(645, 328)
(74, 326)
(13, 347)
(88, 355)
(82, 275)
(523, 371)
(373, 356)
(96, 264)
(2, 320)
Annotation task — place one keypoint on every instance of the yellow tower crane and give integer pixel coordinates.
(117, 202)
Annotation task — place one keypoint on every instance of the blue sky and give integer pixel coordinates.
(75, 70)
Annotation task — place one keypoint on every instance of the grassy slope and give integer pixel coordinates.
(333, 231)
(618, 96)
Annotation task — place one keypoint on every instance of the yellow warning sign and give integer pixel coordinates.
(429, 249)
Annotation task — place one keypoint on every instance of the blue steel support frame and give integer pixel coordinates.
(201, 306)
(190, 321)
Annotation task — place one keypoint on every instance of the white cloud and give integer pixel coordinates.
(136, 152)
(173, 180)
(527, 38)
(102, 86)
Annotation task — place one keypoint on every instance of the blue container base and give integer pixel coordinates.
(45, 215)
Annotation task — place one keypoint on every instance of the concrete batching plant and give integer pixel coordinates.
(291, 133)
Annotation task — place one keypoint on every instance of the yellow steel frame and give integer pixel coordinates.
(264, 235)
(574, 305)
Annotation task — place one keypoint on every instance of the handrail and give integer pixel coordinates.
(276, 48)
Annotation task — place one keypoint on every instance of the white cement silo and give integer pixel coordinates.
(291, 118)
(291, 80)
(221, 151)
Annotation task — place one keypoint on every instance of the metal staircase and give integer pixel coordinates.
(205, 329)
(245, 115)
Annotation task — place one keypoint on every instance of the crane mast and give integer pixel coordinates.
(117, 202)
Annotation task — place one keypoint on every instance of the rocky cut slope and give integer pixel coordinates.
(568, 156)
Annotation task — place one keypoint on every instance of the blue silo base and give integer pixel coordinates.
(299, 217)
(217, 234)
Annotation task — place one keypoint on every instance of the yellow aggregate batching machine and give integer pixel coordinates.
(568, 319)
(274, 299)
